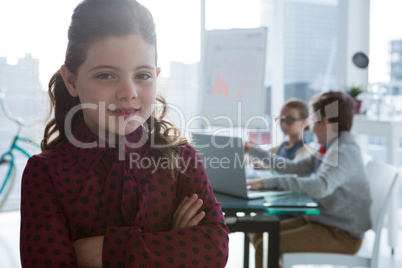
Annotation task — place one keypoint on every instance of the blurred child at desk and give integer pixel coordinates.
(293, 114)
(339, 184)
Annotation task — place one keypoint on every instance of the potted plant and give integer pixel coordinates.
(354, 91)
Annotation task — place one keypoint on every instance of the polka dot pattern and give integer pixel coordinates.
(70, 193)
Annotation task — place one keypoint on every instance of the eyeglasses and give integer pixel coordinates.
(288, 120)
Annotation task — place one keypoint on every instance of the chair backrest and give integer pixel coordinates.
(382, 179)
(366, 159)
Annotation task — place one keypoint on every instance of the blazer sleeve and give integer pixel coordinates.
(205, 245)
(303, 166)
(45, 239)
(323, 183)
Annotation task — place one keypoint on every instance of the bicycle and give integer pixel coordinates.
(7, 159)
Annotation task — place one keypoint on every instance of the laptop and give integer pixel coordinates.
(224, 162)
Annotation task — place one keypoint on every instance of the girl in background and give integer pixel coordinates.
(294, 114)
(292, 121)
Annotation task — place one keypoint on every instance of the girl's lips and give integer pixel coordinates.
(125, 112)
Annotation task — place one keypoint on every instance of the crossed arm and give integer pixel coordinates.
(47, 237)
(89, 250)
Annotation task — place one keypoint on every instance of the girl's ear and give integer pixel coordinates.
(158, 71)
(69, 81)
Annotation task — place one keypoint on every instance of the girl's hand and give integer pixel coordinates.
(186, 213)
(255, 184)
(89, 251)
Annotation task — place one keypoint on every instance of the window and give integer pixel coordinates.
(310, 47)
(385, 39)
(385, 63)
(179, 46)
(35, 39)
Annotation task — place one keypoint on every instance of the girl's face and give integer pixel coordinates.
(291, 124)
(118, 81)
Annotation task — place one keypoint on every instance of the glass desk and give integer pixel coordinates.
(265, 219)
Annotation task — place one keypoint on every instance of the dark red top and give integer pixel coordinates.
(70, 193)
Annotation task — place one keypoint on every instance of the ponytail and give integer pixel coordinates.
(61, 103)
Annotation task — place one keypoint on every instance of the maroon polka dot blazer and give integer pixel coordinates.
(70, 193)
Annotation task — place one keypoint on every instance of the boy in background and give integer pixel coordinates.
(339, 184)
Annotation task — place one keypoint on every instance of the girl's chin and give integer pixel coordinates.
(125, 131)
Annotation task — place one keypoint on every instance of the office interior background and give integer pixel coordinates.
(310, 44)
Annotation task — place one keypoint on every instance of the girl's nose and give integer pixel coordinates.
(127, 90)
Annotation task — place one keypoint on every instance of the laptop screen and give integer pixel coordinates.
(224, 162)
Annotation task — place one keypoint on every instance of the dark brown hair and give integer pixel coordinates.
(336, 106)
(297, 104)
(300, 106)
(92, 21)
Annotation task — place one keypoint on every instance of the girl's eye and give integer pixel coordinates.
(105, 76)
(143, 76)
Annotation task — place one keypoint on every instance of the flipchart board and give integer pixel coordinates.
(233, 77)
